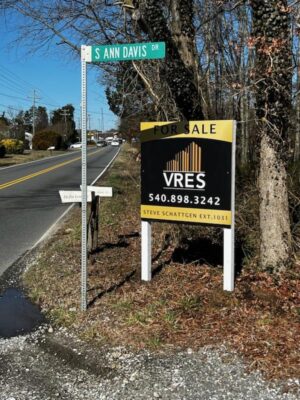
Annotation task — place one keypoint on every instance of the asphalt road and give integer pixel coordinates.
(29, 198)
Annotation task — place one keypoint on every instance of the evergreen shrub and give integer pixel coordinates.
(44, 139)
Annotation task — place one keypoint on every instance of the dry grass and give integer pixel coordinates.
(29, 155)
(183, 306)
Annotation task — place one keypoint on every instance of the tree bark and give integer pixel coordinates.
(243, 71)
(297, 133)
(275, 249)
(180, 52)
(271, 34)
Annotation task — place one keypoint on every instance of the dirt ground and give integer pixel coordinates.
(183, 306)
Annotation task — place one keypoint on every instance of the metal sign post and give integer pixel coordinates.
(83, 181)
(106, 53)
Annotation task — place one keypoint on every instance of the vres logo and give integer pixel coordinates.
(184, 170)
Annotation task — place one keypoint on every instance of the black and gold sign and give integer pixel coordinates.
(187, 172)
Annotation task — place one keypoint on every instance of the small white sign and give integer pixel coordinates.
(102, 191)
(73, 196)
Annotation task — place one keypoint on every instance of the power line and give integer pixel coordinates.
(13, 97)
(10, 107)
(100, 113)
(23, 85)
(14, 81)
(7, 84)
(18, 84)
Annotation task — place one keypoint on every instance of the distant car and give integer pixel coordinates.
(109, 140)
(115, 143)
(101, 143)
(75, 146)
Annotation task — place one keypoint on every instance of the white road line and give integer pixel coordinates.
(54, 226)
(73, 152)
(105, 169)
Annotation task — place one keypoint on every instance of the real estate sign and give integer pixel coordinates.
(187, 172)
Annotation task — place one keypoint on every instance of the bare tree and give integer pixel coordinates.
(209, 72)
(273, 78)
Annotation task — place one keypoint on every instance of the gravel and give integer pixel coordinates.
(51, 364)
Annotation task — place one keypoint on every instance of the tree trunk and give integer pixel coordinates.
(271, 33)
(180, 52)
(274, 214)
(243, 71)
(297, 134)
(243, 121)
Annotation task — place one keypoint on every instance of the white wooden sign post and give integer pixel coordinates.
(78, 196)
(229, 233)
(146, 251)
(191, 180)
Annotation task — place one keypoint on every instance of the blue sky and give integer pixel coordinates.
(56, 79)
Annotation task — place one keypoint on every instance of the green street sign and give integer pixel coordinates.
(127, 52)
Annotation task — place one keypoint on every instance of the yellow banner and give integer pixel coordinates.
(193, 215)
(215, 130)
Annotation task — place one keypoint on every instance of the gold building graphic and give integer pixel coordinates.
(187, 160)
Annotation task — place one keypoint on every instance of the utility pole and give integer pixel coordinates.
(34, 99)
(102, 119)
(65, 113)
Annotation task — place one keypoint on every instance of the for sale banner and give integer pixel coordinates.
(186, 172)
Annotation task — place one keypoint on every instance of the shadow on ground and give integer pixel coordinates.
(204, 251)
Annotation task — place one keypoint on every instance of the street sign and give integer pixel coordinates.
(125, 52)
(75, 196)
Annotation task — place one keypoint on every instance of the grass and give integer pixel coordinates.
(29, 155)
(184, 304)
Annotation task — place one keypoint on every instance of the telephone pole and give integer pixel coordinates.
(34, 99)
(102, 120)
(65, 113)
